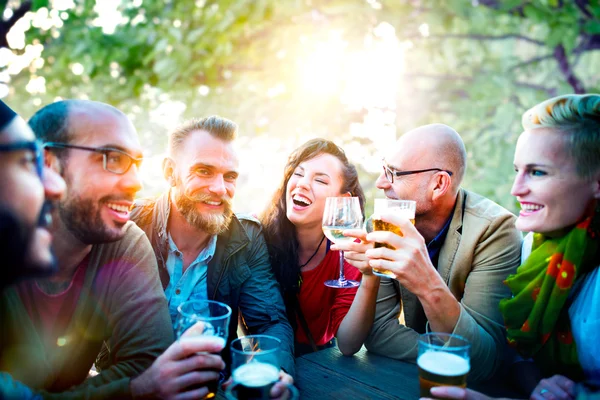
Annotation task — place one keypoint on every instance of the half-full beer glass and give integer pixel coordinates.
(443, 361)
(255, 367)
(203, 318)
(404, 208)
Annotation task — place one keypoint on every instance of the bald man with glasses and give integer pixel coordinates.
(448, 269)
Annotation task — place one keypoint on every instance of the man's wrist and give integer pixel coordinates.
(434, 295)
(140, 387)
(441, 308)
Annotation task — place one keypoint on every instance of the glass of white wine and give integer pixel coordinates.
(341, 213)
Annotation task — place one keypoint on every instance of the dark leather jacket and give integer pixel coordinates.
(239, 274)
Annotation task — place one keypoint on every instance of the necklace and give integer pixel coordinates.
(313, 254)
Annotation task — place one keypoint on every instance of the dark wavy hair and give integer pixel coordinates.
(280, 233)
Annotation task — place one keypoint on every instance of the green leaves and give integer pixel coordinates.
(460, 74)
(37, 4)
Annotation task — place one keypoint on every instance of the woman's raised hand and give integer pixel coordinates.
(354, 252)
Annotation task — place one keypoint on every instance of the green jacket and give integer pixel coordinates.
(239, 274)
(121, 305)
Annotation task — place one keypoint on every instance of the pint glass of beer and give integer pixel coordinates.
(255, 367)
(405, 208)
(203, 318)
(443, 361)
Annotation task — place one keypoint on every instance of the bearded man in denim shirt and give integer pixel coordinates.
(205, 251)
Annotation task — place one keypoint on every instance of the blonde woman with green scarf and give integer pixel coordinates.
(553, 317)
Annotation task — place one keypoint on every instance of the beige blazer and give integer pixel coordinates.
(481, 249)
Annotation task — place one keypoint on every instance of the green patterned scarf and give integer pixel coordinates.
(536, 319)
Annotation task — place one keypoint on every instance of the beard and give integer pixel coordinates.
(211, 223)
(83, 218)
(24, 254)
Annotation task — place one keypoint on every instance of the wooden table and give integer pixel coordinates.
(327, 374)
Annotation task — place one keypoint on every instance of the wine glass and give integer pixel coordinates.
(203, 318)
(341, 213)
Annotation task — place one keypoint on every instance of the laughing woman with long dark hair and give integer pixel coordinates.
(300, 254)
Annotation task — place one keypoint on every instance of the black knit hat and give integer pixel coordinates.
(6, 115)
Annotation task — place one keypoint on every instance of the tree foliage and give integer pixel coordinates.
(476, 66)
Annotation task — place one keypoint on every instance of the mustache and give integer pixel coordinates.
(108, 199)
(201, 197)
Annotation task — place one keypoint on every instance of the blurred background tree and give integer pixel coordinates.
(359, 72)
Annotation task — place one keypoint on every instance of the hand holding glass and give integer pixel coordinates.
(255, 368)
(404, 208)
(203, 318)
(341, 213)
(443, 360)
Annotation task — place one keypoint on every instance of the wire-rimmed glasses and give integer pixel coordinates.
(114, 160)
(391, 173)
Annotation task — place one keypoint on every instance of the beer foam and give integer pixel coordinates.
(256, 374)
(442, 363)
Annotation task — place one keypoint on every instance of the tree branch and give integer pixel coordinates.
(582, 5)
(531, 61)
(551, 91)
(440, 77)
(481, 37)
(495, 4)
(567, 71)
(588, 43)
(5, 26)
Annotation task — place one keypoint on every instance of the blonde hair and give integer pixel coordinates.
(577, 118)
(218, 127)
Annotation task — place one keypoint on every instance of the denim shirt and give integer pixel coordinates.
(434, 247)
(191, 284)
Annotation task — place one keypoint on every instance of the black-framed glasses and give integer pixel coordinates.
(34, 146)
(390, 173)
(114, 160)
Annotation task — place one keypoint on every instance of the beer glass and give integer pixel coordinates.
(443, 360)
(255, 368)
(404, 208)
(341, 213)
(207, 318)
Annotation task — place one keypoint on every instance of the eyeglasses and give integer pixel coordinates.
(114, 160)
(31, 145)
(389, 173)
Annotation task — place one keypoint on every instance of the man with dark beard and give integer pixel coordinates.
(27, 190)
(106, 293)
(203, 250)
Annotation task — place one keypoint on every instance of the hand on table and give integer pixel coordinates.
(557, 387)
(452, 392)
